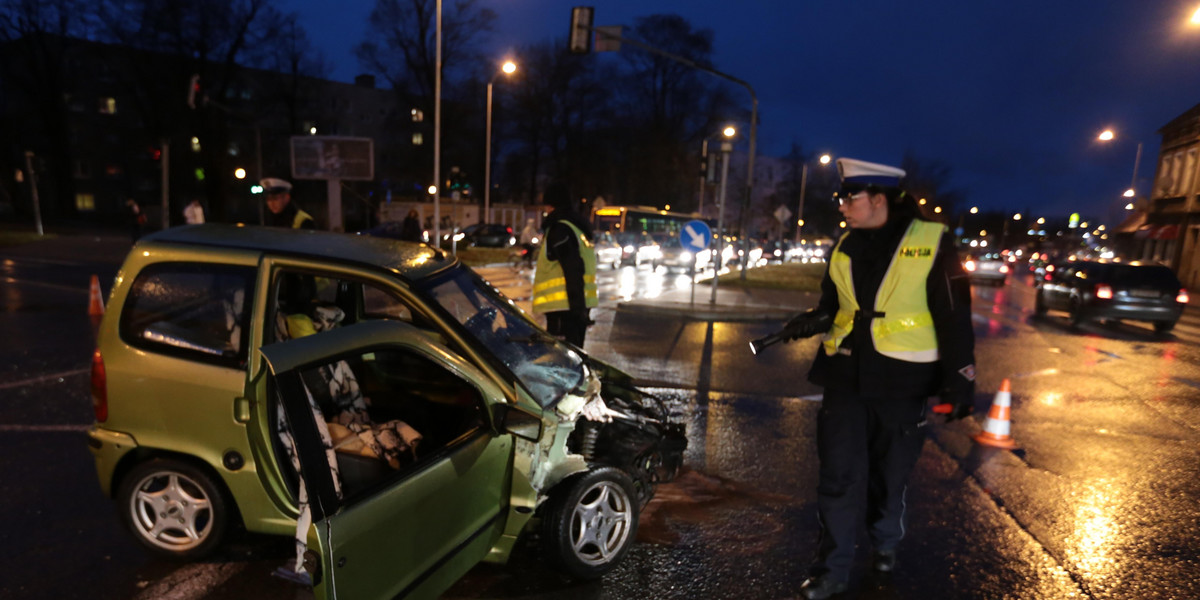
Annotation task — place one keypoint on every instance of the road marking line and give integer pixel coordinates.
(56, 286)
(23, 383)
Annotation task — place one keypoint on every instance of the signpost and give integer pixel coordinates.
(333, 159)
(695, 237)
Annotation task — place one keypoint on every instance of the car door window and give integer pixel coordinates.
(306, 302)
(386, 413)
(192, 310)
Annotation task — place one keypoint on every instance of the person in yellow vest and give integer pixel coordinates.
(281, 211)
(564, 284)
(895, 314)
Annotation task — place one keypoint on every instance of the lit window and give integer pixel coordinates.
(418, 139)
(417, 115)
(85, 202)
(108, 106)
(195, 144)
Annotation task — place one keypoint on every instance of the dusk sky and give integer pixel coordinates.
(1010, 95)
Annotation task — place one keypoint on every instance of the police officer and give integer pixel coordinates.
(281, 211)
(564, 285)
(896, 317)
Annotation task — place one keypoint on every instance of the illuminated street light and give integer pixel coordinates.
(1196, 17)
(1041, 221)
(982, 233)
(729, 131)
(921, 202)
(240, 173)
(842, 224)
(974, 210)
(1017, 217)
(1105, 135)
(508, 69)
(937, 209)
(432, 190)
(1128, 193)
(825, 158)
(312, 130)
(1129, 206)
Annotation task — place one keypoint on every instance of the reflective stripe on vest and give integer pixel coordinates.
(549, 284)
(300, 218)
(906, 331)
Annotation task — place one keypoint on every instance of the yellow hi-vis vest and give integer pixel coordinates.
(549, 285)
(905, 331)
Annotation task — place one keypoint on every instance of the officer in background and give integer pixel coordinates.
(564, 285)
(281, 211)
(895, 309)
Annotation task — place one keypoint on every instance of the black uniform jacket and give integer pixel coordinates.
(866, 372)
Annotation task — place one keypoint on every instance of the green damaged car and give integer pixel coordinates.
(375, 399)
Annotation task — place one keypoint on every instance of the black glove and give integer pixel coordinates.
(807, 324)
(958, 397)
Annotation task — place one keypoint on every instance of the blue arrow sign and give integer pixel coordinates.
(695, 235)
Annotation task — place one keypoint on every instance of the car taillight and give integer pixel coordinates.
(1103, 292)
(969, 265)
(1182, 297)
(99, 388)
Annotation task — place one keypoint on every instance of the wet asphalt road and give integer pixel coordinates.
(1100, 501)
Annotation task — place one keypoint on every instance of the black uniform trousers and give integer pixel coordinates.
(867, 448)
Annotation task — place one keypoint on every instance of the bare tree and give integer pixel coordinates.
(36, 36)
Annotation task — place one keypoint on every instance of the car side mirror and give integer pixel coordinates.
(518, 421)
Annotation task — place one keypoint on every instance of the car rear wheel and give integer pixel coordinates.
(591, 522)
(1161, 327)
(173, 508)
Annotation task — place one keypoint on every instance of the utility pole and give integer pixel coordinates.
(37, 206)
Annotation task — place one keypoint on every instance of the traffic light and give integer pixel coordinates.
(579, 38)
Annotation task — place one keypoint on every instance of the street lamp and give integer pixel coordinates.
(824, 160)
(726, 148)
(1107, 135)
(508, 69)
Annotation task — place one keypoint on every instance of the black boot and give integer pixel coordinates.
(821, 587)
(885, 561)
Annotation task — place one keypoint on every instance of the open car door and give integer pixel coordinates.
(406, 478)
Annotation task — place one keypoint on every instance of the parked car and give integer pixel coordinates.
(676, 257)
(608, 250)
(375, 399)
(986, 268)
(391, 230)
(1092, 290)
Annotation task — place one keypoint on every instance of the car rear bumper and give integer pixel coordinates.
(1134, 312)
(108, 447)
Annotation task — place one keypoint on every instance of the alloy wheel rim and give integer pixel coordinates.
(601, 523)
(171, 511)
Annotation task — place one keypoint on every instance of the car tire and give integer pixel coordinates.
(173, 508)
(590, 522)
(1039, 304)
(1163, 327)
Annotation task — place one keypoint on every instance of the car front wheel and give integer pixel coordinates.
(591, 522)
(1075, 315)
(173, 508)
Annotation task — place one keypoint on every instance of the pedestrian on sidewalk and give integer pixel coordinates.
(193, 213)
(895, 309)
(136, 217)
(564, 284)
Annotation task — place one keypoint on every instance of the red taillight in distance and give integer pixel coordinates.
(1103, 292)
(99, 388)
(1182, 296)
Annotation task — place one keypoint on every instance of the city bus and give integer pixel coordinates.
(640, 219)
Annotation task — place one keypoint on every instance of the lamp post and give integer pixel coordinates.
(1107, 136)
(824, 160)
(508, 69)
(726, 148)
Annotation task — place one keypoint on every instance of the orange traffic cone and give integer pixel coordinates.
(96, 303)
(996, 425)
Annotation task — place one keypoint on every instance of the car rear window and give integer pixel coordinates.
(1143, 276)
(195, 311)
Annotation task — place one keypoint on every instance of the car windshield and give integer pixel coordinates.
(546, 366)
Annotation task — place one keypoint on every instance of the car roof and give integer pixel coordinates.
(409, 259)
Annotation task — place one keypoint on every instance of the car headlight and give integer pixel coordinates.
(685, 256)
(458, 237)
(629, 249)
